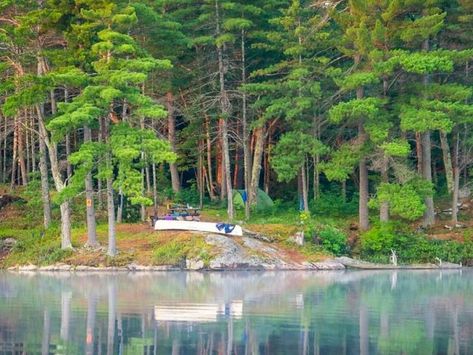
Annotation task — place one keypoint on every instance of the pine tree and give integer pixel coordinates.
(113, 97)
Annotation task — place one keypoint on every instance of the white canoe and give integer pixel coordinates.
(209, 227)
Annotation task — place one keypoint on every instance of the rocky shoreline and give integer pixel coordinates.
(243, 254)
(190, 266)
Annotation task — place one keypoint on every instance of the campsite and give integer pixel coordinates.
(236, 177)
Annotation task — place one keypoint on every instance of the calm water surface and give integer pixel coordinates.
(380, 312)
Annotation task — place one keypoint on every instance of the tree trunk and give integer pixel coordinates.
(68, 153)
(209, 158)
(43, 170)
(225, 112)
(176, 184)
(4, 167)
(419, 152)
(363, 212)
(256, 169)
(120, 205)
(21, 153)
(89, 199)
(456, 181)
(447, 160)
(384, 208)
(316, 160)
(246, 139)
(58, 182)
(305, 194)
(344, 191)
(112, 249)
(429, 214)
(14, 158)
(155, 192)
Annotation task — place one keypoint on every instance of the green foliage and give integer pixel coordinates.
(368, 108)
(376, 245)
(291, 151)
(333, 240)
(405, 200)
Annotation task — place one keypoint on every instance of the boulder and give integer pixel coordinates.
(194, 264)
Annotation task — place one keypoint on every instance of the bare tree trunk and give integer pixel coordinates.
(200, 175)
(43, 170)
(89, 199)
(14, 159)
(5, 138)
(120, 205)
(363, 211)
(155, 192)
(225, 111)
(305, 193)
(456, 181)
(420, 163)
(58, 182)
(447, 160)
(246, 139)
(256, 169)
(68, 153)
(316, 160)
(176, 184)
(21, 153)
(209, 158)
(112, 249)
(384, 208)
(344, 191)
(429, 214)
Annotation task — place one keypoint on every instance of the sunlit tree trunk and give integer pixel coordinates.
(429, 214)
(225, 112)
(456, 180)
(175, 181)
(89, 199)
(447, 160)
(257, 160)
(363, 213)
(246, 136)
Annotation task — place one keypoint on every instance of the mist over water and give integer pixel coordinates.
(348, 312)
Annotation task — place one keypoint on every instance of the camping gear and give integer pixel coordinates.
(263, 201)
(209, 227)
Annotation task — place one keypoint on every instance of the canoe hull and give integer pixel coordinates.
(207, 227)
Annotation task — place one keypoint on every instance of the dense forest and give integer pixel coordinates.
(106, 105)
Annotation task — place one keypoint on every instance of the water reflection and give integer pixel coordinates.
(380, 312)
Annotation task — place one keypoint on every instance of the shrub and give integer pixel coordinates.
(333, 205)
(333, 240)
(376, 245)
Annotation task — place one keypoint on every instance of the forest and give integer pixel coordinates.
(357, 109)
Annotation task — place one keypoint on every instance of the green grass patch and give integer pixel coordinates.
(176, 251)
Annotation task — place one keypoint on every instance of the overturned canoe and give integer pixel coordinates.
(208, 227)
(365, 265)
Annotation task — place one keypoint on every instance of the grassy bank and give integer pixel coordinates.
(327, 234)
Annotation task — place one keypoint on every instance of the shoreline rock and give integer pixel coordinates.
(191, 265)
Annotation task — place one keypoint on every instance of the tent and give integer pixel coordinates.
(263, 201)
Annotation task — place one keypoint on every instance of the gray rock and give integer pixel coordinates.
(8, 243)
(194, 264)
(28, 268)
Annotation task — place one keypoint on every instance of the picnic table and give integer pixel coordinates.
(183, 211)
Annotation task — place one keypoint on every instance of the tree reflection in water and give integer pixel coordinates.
(427, 312)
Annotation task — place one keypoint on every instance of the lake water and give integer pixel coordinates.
(351, 312)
